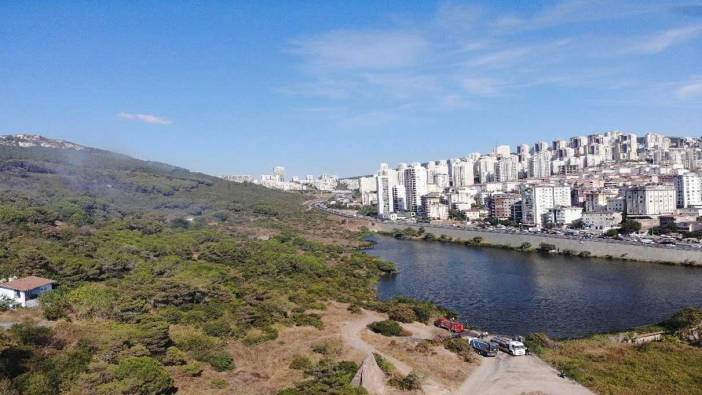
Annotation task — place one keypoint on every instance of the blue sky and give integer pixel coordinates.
(338, 87)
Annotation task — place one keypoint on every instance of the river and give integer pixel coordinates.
(515, 293)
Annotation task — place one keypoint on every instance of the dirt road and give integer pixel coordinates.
(505, 375)
(351, 335)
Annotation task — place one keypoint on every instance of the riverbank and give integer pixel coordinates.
(567, 246)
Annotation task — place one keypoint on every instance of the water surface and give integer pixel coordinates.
(517, 293)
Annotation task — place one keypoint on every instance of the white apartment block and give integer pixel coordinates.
(461, 173)
(368, 187)
(485, 169)
(502, 151)
(540, 165)
(433, 208)
(650, 200)
(415, 186)
(506, 169)
(386, 181)
(538, 200)
(688, 188)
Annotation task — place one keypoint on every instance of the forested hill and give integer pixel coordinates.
(63, 181)
(159, 270)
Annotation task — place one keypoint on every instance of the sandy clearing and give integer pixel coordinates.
(505, 375)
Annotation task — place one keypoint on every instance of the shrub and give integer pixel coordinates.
(7, 303)
(217, 328)
(220, 360)
(300, 362)
(192, 369)
(314, 320)
(525, 246)
(386, 366)
(174, 356)
(546, 247)
(410, 382)
(141, 375)
(386, 328)
(92, 300)
(354, 309)
(402, 313)
(460, 347)
(327, 347)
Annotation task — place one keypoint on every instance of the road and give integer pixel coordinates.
(506, 375)
(693, 247)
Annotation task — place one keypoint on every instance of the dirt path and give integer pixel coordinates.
(351, 335)
(505, 374)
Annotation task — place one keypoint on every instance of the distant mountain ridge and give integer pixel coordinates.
(34, 140)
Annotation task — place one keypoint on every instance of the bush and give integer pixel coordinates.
(546, 247)
(410, 382)
(220, 360)
(386, 366)
(174, 356)
(141, 375)
(300, 362)
(327, 347)
(460, 347)
(386, 328)
(7, 303)
(314, 320)
(526, 246)
(192, 369)
(402, 313)
(217, 328)
(354, 309)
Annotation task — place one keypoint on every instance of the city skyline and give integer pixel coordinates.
(338, 87)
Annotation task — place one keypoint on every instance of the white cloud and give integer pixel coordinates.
(481, 86)
(346, 49)
(662, 41)
(690, 90)
(146, 118)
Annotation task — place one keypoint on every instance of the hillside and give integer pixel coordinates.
(161, 271)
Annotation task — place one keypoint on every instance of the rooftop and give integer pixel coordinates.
(26, 283)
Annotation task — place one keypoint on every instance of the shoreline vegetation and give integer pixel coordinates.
(420, 234)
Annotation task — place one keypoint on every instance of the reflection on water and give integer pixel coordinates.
(516, 293)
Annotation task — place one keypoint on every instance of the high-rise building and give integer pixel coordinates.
(688, 188)
(506, 169)
(540, 165)
(387, 179)
(461, 173)
(368, 187)
(485, 168)
(415, 186)
(539, 199)
(502, 151)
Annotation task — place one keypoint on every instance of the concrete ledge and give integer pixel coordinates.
(596, 248)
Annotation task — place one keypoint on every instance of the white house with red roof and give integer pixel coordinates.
(25, 291)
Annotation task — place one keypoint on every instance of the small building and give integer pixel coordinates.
(601, 220)
(26, 290)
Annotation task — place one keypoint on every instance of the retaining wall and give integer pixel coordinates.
(597, 248)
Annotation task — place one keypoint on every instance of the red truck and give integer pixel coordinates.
(450, 325)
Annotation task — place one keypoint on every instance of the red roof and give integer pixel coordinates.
(26, 283)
